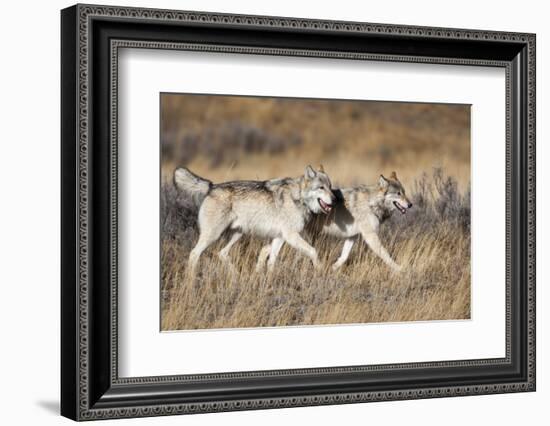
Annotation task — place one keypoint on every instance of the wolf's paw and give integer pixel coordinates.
(397, 268)
(317, 265)
(336, 266)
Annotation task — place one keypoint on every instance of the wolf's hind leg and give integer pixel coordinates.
(208, 235)
(205, 240)
(376, 246)
(295, 240)
(348, 244)
(224, 252)
(276, 245)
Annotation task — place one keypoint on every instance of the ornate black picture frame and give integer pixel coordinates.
(91, 36)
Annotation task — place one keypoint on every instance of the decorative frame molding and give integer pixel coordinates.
(91, 388)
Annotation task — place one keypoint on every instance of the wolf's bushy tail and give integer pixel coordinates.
(194, 186)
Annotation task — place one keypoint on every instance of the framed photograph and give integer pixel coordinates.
(263, 212)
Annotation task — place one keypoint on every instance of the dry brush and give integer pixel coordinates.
(432, 241)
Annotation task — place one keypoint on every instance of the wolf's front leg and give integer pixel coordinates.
(348, 244)
(295, 240)
(276, 245)
(376, 246)
(271, 251)
(262, 257)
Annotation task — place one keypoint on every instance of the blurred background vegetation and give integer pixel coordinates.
(234, 137)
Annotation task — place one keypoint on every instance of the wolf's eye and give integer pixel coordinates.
(399, 193)
(322, 187)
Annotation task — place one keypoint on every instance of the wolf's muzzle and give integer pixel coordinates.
(324, 206)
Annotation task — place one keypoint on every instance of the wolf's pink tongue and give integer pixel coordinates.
(326, 207)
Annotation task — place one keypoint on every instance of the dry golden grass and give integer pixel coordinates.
(230, 138)
(434, 286)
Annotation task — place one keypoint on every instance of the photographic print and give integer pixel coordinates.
(293, 212)
(344, 188)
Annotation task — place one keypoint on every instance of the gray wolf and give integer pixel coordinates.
(360, 211)
(277, 209)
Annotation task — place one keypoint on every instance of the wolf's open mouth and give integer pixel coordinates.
(398, 207)
(324, 206)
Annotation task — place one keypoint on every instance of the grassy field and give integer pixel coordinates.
(230, 138)
(432, 241)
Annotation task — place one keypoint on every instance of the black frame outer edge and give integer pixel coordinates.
(69, 312)
(105, 395)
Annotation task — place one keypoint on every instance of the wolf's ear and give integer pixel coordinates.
(321, 168)
(393, 176)
(383, 182)
(310, 173)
